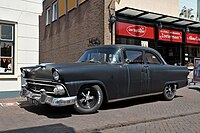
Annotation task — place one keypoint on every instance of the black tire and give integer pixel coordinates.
(169, 92)
(89, 99)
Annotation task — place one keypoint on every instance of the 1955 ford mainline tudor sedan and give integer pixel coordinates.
(105, 73)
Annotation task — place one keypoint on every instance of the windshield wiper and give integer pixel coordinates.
(93, 61)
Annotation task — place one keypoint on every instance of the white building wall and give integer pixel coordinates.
(167, 7)
(25, 15)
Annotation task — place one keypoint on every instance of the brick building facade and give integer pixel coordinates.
(65, 39)
(80, 24)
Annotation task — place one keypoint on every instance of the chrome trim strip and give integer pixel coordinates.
(41, 84)
(38, 91)
(79, 82)
(126, 98)
(34, 80)
(83, 81)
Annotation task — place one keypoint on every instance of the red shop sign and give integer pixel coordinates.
(169, 35)
(126, 29)
(193, 38)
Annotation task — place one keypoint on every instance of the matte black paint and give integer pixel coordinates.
(116, 80)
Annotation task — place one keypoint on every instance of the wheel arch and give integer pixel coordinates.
(172, 83)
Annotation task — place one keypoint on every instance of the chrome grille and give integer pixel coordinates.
(48, 86)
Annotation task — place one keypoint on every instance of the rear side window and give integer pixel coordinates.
(152, 58)
(134, 56)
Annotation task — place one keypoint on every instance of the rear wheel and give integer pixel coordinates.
(89, 99)
(169, 91)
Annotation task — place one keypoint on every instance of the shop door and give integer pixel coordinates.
(170, 53)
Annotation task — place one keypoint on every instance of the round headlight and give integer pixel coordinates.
(59, 90)
(23, 73)
(56, 75)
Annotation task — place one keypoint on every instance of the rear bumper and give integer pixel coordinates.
(43, 98)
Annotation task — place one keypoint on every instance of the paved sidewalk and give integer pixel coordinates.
(181, 124)
(12, 101)
(136, 115)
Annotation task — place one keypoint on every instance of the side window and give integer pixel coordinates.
(134, 56)
(151, 58)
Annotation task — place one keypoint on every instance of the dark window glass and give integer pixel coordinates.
(5, 49)
(6, 32)
(134, 56)
(151, 58)
(101, 55)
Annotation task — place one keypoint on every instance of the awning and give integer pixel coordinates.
(156, 17)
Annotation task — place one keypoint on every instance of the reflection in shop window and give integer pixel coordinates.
(6, 49)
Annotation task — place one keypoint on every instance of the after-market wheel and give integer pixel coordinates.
(169, 91)
(89, 99)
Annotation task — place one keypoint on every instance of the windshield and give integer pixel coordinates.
(107, 55)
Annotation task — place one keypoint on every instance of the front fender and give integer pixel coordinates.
(74, 86)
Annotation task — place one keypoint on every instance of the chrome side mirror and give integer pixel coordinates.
(127, 61)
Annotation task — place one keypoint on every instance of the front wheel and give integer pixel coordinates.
(169, 91)
(89, 99)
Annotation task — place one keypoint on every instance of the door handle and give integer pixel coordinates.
(145, 69)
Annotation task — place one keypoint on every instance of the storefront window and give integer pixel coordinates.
(191, 52)
(170, 52)
(135, 41)
(6, 49)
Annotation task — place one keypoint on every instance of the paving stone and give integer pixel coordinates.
(149, 114)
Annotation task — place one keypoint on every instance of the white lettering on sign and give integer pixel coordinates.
(192, 38)
(167, 34)
(136, 30)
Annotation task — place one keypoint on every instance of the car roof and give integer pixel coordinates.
(123, 46)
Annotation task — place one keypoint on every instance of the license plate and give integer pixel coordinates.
(43, 98)
(32, 101)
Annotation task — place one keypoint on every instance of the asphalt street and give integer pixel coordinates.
(143, 115)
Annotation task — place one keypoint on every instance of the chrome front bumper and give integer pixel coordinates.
(43, 98)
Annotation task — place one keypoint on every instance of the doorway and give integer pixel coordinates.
(170, 52)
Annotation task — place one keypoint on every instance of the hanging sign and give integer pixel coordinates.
(169, 35)
(127, 29)
(193, 38)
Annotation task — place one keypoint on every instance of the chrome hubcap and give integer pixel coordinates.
(86, 98)
(170, 91)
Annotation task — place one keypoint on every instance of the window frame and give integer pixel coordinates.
(54, 11)
(138, 50)
(158, 58)
(48, 15)
(12, 56)
(1, 32)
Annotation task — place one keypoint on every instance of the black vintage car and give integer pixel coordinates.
(104, 73)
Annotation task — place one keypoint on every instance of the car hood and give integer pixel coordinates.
(44, 71)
